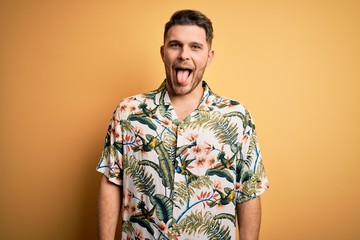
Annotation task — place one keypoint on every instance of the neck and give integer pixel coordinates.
(184, 105)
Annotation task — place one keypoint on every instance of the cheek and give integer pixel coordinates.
(169, 56)
(168, 61)
(201, 63)
(201, 60)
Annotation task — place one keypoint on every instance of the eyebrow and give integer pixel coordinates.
(191, 43)
(174, 41)
(197, 44)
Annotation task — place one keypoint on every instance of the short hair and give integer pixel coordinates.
(191, 17)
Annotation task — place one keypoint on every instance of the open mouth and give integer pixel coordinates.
(183, 73)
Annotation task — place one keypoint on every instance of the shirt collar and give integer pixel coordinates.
(163, 98)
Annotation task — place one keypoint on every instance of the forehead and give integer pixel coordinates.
(186, 33)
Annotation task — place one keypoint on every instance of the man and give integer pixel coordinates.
(181, 162)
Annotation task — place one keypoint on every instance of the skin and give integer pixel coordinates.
(184, 46)
(249, 219)
(109, 202)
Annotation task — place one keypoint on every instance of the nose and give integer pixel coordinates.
(184, 53)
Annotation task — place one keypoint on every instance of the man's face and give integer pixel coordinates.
(185, 54)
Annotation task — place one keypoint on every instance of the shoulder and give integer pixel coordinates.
(225, 104)
(132, 103)
(230, 109)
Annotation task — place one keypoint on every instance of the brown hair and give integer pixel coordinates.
(191, 17)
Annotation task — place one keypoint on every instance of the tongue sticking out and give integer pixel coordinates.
(182, 75)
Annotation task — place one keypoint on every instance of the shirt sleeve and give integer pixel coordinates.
(251, 179)
(110, 163)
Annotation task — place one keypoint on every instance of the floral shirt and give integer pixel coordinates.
(182, 179)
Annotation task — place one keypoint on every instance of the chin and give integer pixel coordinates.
(181, 91)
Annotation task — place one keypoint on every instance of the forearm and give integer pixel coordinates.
(109, 203)
(249, 219)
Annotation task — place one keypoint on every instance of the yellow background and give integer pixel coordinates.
(65, 65)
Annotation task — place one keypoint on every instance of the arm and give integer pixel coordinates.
(249, 218)
(109, 202)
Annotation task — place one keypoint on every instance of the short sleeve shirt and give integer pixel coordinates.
(182, 179)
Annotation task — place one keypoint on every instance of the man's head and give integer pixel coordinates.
(191, 17)
(186, 52)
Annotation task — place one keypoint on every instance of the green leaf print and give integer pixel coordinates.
(127, 227)
(163, 110)
(127, 126)
(187, 119)
(153, 165)
(147, 145)
(251, 150)
(224, 130)
(142, 222)
(198, 222)
(234, 103)
(226, 197)
(224, 173)
(181, 149)
(226, 216)
(247, 176)
(143, 181)
(163, 206)
(166, 166)
(119, 147)
(239, 115)
(144, 217)
(184, 190)
(142, 119)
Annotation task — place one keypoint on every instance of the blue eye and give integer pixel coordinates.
(174, 45)
(196, 47)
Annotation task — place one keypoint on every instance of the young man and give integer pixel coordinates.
(181, 162)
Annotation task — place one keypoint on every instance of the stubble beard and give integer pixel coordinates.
(184, 90)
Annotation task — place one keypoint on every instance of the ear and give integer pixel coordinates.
(210, 56)
(162, 52)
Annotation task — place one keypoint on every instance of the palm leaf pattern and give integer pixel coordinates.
(251, 150)
(143, 181)
(128, 227)
(224, 130)
(108, 152)
(166, 166)
(184, 190)
(169, 143)
(127, 126)
(225, 216)
(163, 206)
(182, 178)
(198, 222)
